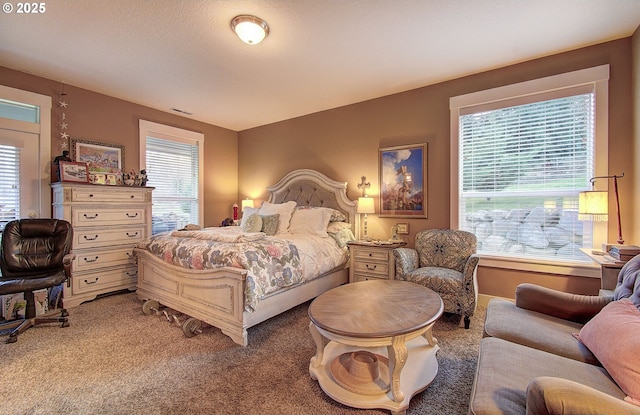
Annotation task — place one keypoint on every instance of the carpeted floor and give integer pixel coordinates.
(113, 359)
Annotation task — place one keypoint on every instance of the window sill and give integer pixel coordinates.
(575, 269)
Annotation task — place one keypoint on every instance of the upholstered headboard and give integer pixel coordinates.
(308, 187)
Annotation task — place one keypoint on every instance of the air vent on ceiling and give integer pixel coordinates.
(181, 111)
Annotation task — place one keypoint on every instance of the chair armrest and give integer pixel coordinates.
(573, 307)
(557, 396)
(406, 261)
(67, 260)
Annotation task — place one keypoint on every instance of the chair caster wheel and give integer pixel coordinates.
(12, 339)
(64, 313)
(65, 324)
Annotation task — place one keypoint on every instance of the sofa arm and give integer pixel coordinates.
(573, 307)
(557, 396)
(406, 261)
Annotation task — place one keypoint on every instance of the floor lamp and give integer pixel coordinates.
(594, 204)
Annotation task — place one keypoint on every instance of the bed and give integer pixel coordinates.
(221, 294)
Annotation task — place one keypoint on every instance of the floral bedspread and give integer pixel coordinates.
(271, 263)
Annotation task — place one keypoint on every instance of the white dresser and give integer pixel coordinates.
(108, 222)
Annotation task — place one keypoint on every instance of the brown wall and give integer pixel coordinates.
(98, 117)
(635, 109)
(343, 143)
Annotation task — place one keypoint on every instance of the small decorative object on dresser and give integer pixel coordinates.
(108, 222)
(372, 260)
(74, 172)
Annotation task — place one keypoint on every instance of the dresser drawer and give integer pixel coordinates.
(90, 238)
(102, 194)
(364, 254)
(370, 267)
(87, 216)
(91, 260)
(120, 278)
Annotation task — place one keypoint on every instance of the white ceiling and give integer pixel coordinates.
(320, 54)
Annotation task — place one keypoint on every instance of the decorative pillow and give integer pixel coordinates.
(336, 215)
(285, 210)
(270, 224)
(252, 224)
(248, 211)
(343, 236)
(310, 222)
(335, 227)
(612, 336)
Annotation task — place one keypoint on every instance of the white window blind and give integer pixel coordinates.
(172, 168)
(9, 184)
(521, 169)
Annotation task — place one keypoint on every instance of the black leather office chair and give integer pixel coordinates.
(35, 255)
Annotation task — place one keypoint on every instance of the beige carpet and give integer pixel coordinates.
(116, 360)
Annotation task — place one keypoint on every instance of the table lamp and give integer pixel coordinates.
(365, 206)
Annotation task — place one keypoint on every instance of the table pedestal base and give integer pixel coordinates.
(419, 371)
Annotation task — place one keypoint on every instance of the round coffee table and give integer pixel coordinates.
(380, 349)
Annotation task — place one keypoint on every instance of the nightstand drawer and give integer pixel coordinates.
(358, 277)
(370, 267)
(364, 254)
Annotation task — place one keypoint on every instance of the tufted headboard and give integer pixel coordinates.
(308, 187)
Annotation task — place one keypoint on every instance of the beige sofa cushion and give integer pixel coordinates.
(551, 334)
(505, 370)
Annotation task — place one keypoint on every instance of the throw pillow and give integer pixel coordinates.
(248, 211)
(270, 224)
(310, 222)
(612, 337)
(252, 224)
(285, 210)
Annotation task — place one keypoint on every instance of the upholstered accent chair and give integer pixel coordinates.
(445, 261)
(35, 254)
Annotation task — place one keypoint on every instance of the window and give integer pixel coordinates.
(25, 155)
(521, 154)
(173, 161)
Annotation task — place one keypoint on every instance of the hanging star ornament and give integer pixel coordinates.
(64, 125)
(64, 136)
(63, 104)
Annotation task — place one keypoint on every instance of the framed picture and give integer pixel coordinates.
(402, 228)
(98, 178)
(71, 171)
(403, 181)
(112, 179)
(100, 157)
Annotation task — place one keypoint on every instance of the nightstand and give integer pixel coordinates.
(372, 260)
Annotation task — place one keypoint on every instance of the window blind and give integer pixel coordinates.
(172, 168)
(522, 168)
(9, 184)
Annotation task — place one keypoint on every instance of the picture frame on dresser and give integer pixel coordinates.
(100, 157)
(71, 171)
(403, 181)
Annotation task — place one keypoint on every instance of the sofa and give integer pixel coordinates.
(551, 352)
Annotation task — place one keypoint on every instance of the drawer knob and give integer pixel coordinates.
(132, 216)
(371, 267)
(88, 238)
(132, 196)
(129, 254)
(90, 217)
(132, 274)
(370, 254)
(132, 235)
(90, 260)
(91, 282)
(91, 195)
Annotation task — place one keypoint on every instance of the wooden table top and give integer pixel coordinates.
(376, 308)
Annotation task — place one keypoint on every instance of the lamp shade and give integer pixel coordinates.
(250, 29)
(593, 205)
(365, 205)
(246, 203)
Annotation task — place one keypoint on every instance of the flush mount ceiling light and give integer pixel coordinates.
(250, 29)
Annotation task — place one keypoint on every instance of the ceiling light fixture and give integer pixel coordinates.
(250, 29)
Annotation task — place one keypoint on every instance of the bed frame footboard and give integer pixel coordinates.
(215, 296)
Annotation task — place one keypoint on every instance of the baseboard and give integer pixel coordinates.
(484, 299)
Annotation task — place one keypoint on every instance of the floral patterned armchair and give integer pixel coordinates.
(445, 261)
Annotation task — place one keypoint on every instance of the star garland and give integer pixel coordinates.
(63, 141)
